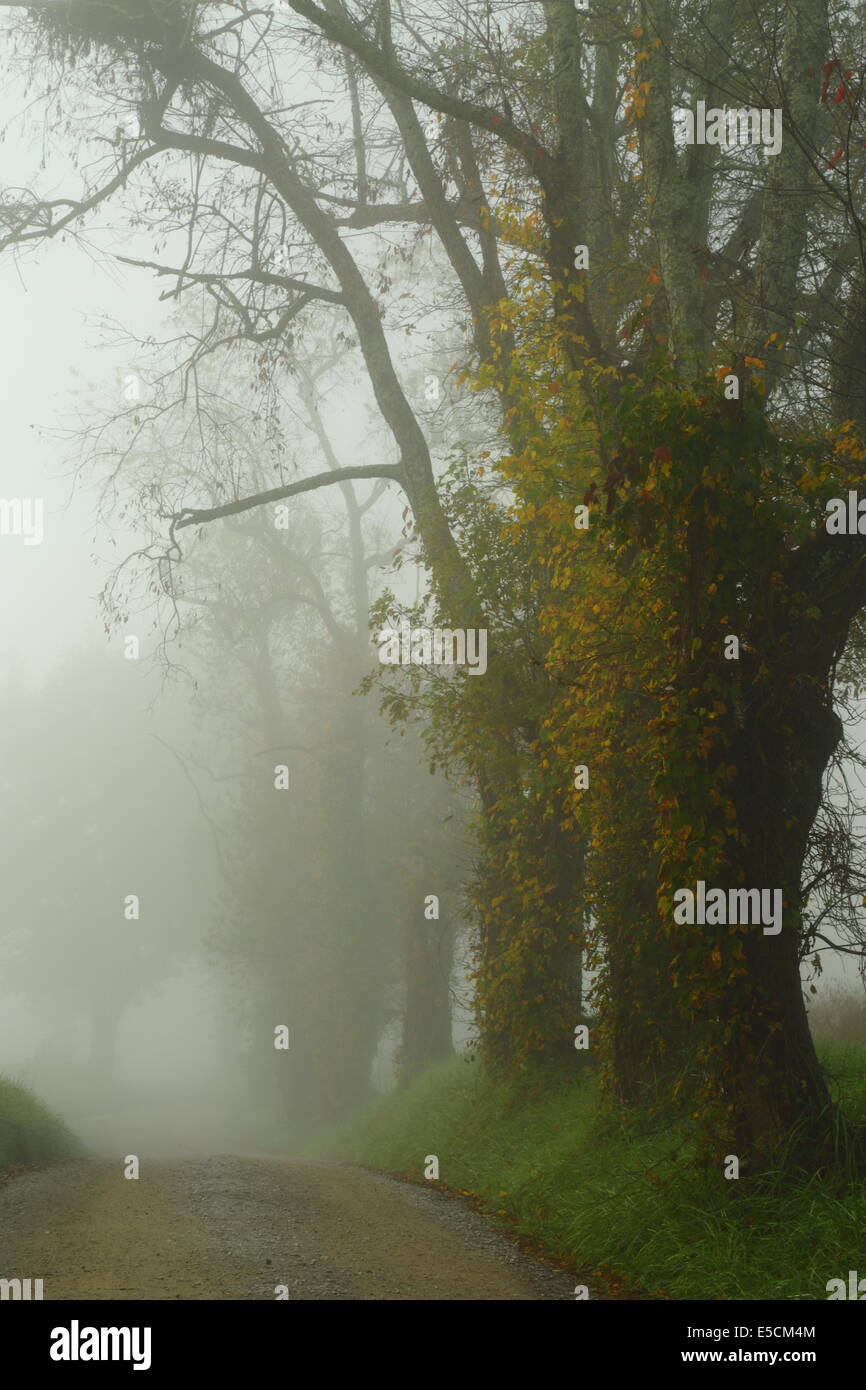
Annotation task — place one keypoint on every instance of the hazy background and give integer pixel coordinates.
(120, 779)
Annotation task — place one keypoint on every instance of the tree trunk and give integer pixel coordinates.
(771, 1073)
(529, 900)
(427, 1017)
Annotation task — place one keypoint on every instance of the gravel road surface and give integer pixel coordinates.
(237, 1228)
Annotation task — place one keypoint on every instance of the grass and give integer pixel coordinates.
(30, 1132)
(626, 1210)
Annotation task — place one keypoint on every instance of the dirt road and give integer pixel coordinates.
(237, 1228)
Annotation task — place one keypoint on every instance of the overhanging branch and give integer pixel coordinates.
(257, 277)
(195, 516)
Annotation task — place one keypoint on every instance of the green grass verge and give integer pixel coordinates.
(29, 1131)
(627, 1208)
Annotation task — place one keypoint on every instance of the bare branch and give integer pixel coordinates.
(191, 516)
(257, 277)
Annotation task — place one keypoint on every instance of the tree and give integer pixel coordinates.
(642, 265)
(737, 262)
(278, 184)
(102, 903)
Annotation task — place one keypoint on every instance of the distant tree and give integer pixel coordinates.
(96, 813)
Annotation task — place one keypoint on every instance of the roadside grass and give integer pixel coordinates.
(844, 1064)
(29, 1131)
(627, 1209)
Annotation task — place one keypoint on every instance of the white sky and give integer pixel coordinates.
(51, 304)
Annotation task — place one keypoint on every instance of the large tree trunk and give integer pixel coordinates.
(529, 900)
(427, 1016)
(645, 1045)
(771, 1073)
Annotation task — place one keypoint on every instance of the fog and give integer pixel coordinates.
(280, 832)
(150, 772)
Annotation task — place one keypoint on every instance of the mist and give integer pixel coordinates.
(418, 442)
